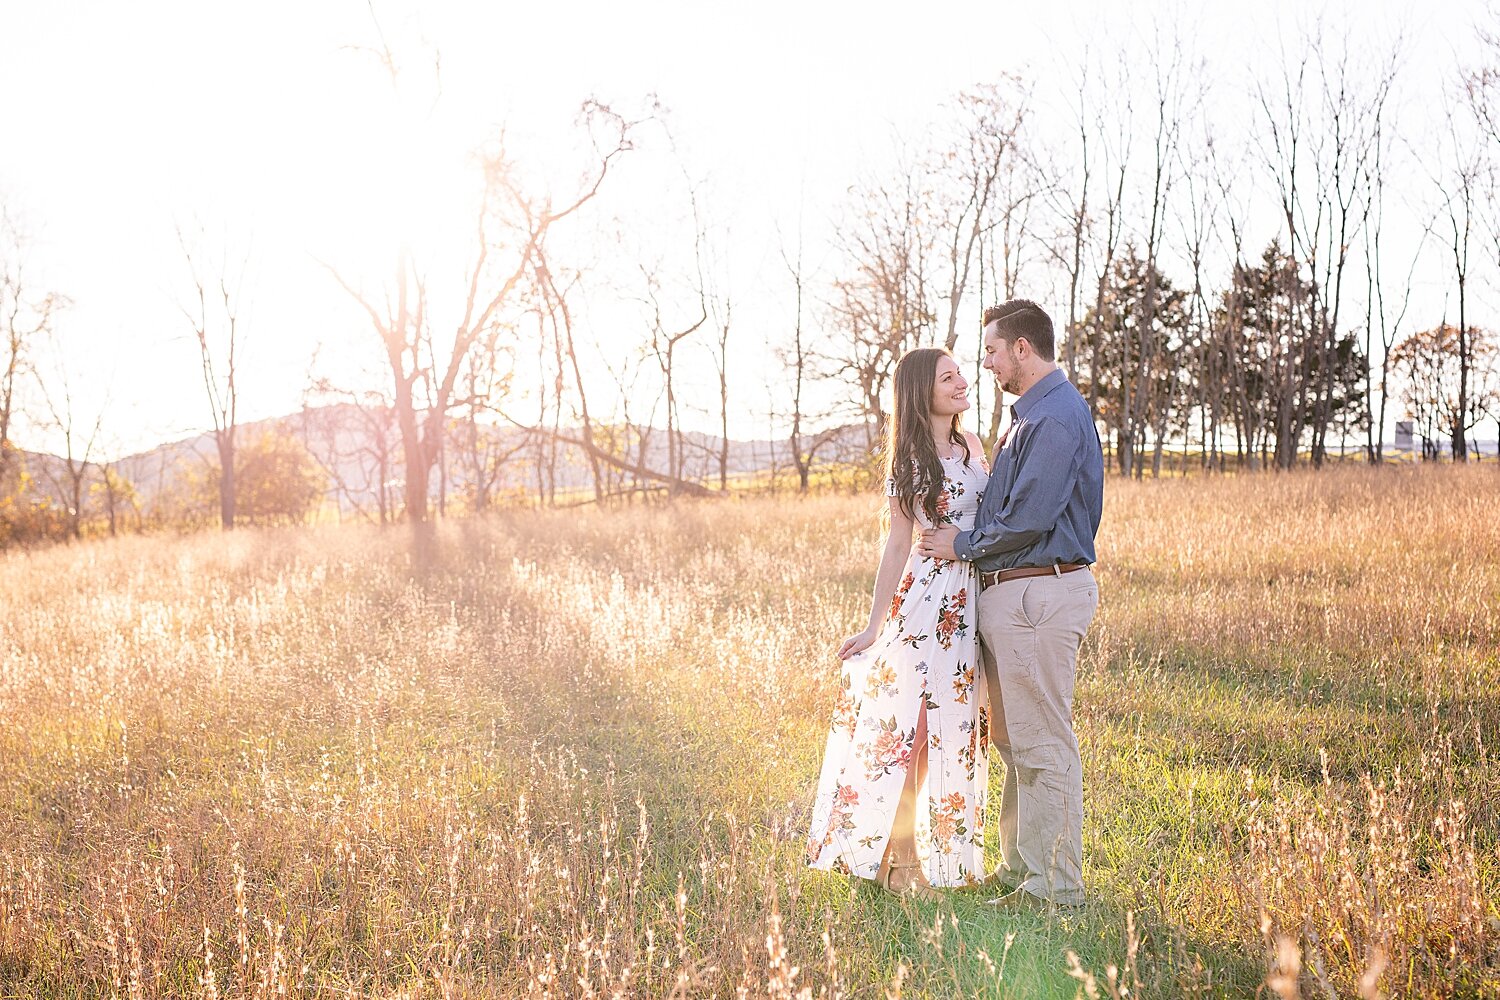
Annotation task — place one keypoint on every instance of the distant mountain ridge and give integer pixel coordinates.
(359, 450)
(358, 454)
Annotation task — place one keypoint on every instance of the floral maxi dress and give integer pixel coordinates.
(926, 654)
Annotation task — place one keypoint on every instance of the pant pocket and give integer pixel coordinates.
(1032, 607)
(1084, 592)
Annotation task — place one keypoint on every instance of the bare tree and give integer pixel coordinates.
(663, 344)
(883, 302)
(799, 358)
(618, 451)
(79, 438)
(1323, 120)
(26, 316)
(1004, 244)
(973, 153)
(1386, 316)
(1430, 365)
(624, 446)
(482, 449)
(512, 226)
(1354, 101)
(1459, 193)
(636, 431)
(1227, 343)
(1113, 122)
(1207, 375)
(116, 495)
(1482, 84)
(544, 445)
(217, 331)
(555, 301)
(1482, 89)
(1143, 407)
(353, 438)
(723, 312)
(1068, 201)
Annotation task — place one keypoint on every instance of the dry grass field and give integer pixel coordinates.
(578, 759)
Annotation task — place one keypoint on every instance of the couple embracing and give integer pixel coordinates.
(973, 637)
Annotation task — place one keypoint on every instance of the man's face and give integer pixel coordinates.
(1000, 358)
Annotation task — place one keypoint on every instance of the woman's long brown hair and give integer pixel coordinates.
(912, 461)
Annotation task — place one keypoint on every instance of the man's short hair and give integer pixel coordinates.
(1020, 318)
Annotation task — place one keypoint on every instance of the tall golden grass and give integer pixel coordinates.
(576, 759)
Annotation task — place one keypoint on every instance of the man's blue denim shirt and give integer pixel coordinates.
(1045, 496)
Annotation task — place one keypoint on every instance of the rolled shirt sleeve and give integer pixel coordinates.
(1047, 456)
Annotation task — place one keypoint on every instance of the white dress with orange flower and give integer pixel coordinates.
(926, 654)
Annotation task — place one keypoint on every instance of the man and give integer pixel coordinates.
(1032, 546)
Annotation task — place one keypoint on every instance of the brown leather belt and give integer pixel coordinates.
(992, 577)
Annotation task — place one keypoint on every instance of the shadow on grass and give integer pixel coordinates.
(689, 771)
(1195, 706)
(693, 753)
(963, 947)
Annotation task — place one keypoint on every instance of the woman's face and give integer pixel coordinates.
(950, 392)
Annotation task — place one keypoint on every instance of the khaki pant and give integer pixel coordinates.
(1029, 631)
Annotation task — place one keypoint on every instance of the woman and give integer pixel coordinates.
(902, 793)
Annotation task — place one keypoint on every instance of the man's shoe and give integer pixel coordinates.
(1021, 901)
(1002, 881)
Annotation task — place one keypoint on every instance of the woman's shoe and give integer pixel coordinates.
(916, 889)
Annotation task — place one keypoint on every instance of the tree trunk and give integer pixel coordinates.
(226, 480)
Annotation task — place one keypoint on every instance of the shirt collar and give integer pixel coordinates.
(1034, 395)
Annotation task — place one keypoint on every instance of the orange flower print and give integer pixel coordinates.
(947, 822)
(845, 800)
(969, 752)
(882, 678)
(963, 684)
(952, 490)
(890, 750)
(845, 712)
(901, 593)
(936, 570)
(951, 618)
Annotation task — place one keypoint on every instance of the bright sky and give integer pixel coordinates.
(267, 124)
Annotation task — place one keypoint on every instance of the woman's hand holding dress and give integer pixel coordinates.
(857, 643)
